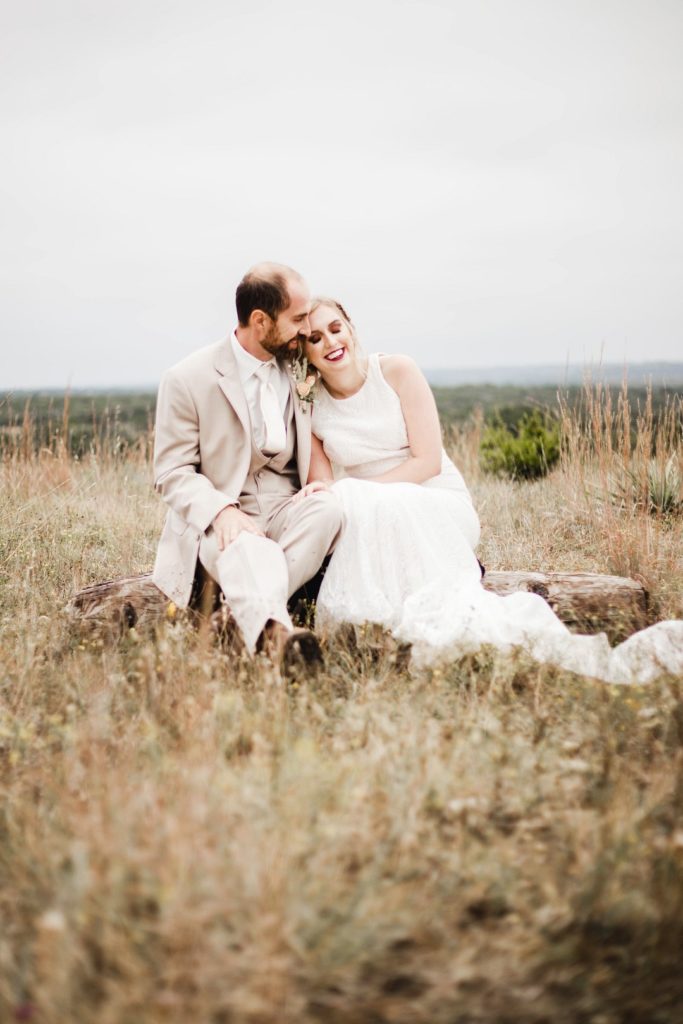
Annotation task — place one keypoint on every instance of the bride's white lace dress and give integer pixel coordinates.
(406, 558)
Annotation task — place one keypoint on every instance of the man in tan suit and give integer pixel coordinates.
(232, 449)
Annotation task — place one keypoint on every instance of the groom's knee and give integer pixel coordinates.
(324, 511)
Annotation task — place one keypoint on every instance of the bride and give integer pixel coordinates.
(406, 558)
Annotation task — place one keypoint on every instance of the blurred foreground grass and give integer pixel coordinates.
(183, 840)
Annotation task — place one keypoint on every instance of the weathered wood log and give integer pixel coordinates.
(124, 602)
(585, 602)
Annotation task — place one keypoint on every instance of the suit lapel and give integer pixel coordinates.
(230, 384)
(302, 419)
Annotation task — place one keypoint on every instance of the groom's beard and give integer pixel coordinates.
(277, 345)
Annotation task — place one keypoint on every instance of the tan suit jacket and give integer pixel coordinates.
(202, 456)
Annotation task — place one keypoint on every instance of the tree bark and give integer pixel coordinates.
(585, 602)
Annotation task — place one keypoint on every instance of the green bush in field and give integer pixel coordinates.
(524, 453)
(657, 487)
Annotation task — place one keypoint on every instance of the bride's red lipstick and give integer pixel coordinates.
(336, 355)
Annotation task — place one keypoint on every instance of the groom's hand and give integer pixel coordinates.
(229, 524)
(315, 485)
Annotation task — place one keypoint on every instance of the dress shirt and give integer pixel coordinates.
(246, 367)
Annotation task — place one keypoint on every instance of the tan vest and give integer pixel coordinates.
(273, 474)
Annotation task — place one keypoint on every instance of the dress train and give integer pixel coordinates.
(404, 563)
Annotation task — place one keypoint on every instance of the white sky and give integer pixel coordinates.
(480, 182)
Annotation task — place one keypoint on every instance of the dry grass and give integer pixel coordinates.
(182, 840)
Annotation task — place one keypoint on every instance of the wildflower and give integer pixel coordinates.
(52, 921)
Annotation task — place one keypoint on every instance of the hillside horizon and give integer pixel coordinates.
(660, 373)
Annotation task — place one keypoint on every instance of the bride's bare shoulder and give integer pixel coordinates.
(397, 369)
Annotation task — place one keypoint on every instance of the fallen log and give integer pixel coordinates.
(585, 602)
(125, 602)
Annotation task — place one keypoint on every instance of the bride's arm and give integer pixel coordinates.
(320, 467)
(320, 474)
(319, 470)
(421, 419)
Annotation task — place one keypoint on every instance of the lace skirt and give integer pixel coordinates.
(406, 562)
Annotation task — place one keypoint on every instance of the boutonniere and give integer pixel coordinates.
(305, 382)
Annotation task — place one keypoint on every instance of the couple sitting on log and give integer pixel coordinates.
(286, 443)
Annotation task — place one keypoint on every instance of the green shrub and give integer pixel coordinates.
(525, 452)
(657, 488)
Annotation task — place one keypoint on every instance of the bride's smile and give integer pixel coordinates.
(330, 340)
(336, 355)
(331, 348)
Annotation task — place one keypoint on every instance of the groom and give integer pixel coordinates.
(232, 448)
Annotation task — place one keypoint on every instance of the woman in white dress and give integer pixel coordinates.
(406, 558)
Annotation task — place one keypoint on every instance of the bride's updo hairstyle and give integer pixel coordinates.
(325, 300)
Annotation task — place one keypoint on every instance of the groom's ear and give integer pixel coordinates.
(258, 319)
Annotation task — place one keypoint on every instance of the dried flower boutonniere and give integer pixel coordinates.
(304, 381)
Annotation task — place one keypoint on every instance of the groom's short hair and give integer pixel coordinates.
(264, 287)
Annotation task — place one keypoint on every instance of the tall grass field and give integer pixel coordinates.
(184, 839)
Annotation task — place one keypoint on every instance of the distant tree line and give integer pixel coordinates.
(83, 422)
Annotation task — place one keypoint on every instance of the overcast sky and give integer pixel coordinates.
(481, 182)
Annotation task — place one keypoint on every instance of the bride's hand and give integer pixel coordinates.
(315, 485)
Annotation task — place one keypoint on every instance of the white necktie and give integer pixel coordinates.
(274, 435)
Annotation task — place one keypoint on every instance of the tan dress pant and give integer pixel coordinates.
(258, 574)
